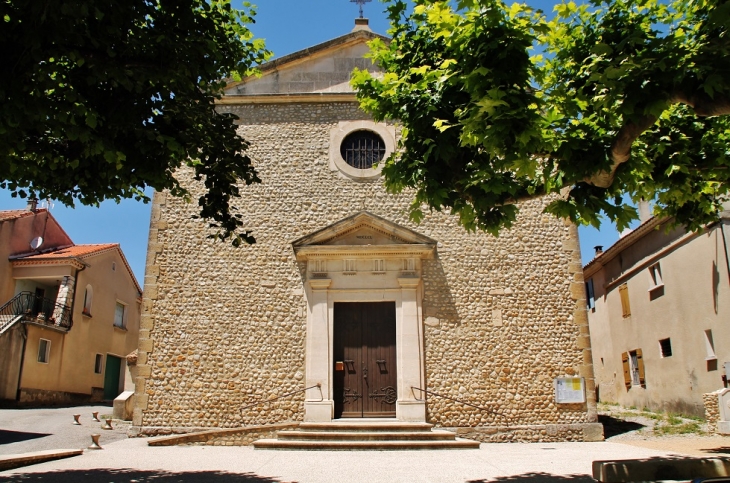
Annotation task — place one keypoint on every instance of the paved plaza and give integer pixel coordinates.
(131, 460)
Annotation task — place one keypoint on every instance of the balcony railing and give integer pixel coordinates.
(37, 309)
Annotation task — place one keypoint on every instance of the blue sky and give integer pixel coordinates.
(287, 26)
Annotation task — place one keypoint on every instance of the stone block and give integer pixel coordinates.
(144, 370)
(657, 469)
(145, 345)
(150, 292)
(592, 432)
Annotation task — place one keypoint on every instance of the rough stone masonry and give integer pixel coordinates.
(224, 328)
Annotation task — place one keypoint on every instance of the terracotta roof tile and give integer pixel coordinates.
(73, 251)
(8, 215)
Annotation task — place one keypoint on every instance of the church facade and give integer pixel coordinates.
(344, 308)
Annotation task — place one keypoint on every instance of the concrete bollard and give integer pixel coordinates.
(76, 419)
(95, 416)
(95, 442)
(108, 424)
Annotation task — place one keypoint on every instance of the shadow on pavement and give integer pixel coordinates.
(614, 427)
(720, 450)
(8, 437)
(539, 478)
(118, 476)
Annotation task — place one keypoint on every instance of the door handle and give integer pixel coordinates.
(364, 371)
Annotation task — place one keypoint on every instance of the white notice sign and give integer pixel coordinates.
(570, 390)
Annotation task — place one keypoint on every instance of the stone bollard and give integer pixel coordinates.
(108, 424)
(95, 442)
(95, 416)
(76, 419)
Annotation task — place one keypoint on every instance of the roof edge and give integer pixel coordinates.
(622, 243)
(275, 64)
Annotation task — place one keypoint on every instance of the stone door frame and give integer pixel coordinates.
(409, 345)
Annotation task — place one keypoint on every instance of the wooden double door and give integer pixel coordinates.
(365, 383)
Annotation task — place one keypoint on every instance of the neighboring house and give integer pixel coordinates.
(69, 314)
(344, 295)
(659, 312)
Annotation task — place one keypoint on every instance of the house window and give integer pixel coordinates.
(590, 295)
(665, 347)
(655, 277)
(98, 364)
(119, 313)
(710, 348)
(633, 362)
(378, 265)
(623, 290)
(88, 297)
(710, 345)
(44, 351)
(114, 266)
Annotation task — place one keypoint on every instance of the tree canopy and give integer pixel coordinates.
(601, 104)
(99, 100)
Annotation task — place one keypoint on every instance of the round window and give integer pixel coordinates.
(361, 149)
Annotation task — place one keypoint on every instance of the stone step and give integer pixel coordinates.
(365, 436)
(366, 426)
(363, 445)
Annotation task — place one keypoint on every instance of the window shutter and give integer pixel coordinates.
(640, 363)
(627, 370)
(623, 290)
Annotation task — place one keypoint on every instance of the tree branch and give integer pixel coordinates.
(621, 149)
(703, 106)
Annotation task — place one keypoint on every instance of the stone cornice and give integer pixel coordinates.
(364, 251)
(59, 262)
(307, 98)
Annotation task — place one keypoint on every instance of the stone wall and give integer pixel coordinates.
(224, 328)
(712, 410)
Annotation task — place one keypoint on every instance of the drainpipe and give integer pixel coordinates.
(24, 334)
(76, 284)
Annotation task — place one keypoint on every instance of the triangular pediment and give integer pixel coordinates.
(364, 232)
(324, 68)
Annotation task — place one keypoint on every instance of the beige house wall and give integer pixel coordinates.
(71, 368)
(69, 374)
(224, 328)
(695, 298)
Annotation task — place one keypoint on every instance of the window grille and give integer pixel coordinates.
(362, 149)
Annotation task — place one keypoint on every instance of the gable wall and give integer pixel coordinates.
(224, 327)
(330, 73)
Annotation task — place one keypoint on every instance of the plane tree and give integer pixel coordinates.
(100, 100)
(604, 103)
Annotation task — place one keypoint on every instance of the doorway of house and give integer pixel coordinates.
(364, 360)
(111, 377)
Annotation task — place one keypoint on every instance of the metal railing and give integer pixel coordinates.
(264, 401)
(460, 402)
(38, 309)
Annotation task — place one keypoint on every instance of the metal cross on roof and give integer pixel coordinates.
(361, 3)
